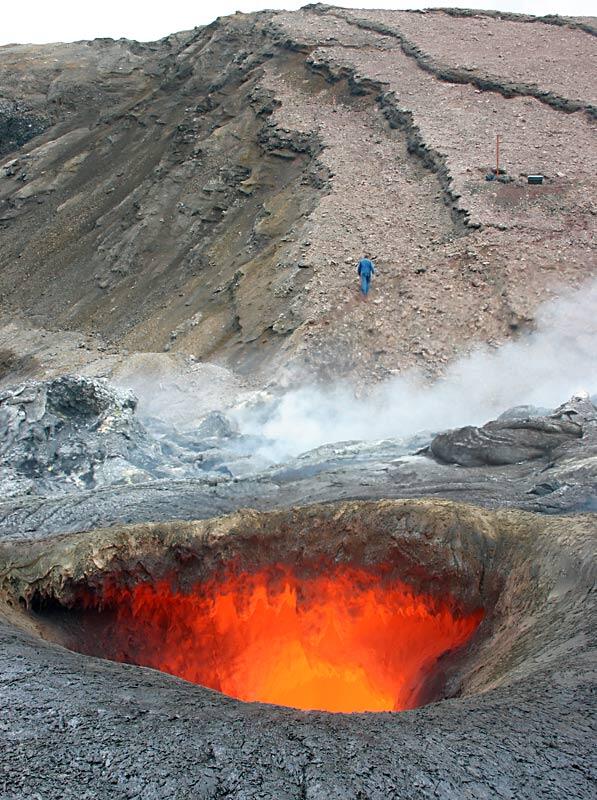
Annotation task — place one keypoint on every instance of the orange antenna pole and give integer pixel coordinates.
(497, 155)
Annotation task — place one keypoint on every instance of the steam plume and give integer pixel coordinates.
(543, 368)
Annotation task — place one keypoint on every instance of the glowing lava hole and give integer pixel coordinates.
(348, 640)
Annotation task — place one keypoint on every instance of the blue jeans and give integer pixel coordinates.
(365, 281)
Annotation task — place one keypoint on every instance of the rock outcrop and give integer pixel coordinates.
(74, 433)
(511, 441)
(70, 430)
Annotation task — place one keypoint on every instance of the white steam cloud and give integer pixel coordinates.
(543, 368)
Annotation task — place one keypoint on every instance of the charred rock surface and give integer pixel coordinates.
(76, 433)
(64, 430)
(18, 126)
(519, 725)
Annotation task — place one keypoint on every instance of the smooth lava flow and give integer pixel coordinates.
(348, 640)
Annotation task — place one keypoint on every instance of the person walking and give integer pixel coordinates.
(365, 270)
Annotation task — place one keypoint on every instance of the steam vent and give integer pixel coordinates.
(298, 408)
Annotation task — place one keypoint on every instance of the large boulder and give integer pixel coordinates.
(216, 424)
(511, 439)
(83, 433)
(71, 430)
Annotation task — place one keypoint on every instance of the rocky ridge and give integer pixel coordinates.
(210, 193)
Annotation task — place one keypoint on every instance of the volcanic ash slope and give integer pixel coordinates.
(210, 193)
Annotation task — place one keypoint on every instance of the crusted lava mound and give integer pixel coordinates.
(357, 606)
(514, 439)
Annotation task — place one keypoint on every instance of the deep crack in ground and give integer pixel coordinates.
(520, 682)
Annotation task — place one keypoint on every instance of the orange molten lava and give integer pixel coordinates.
(345, 641)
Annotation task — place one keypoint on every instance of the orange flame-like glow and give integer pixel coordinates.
(344, 641)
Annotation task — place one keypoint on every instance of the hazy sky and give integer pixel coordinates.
(68, 20)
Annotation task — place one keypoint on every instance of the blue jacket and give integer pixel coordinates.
(366, 268)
